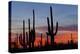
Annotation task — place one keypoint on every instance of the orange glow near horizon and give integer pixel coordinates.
(59, 38)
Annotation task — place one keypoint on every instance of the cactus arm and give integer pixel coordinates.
(56, 28)
(48, 25)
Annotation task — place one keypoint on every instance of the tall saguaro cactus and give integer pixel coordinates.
(34, 22)
(24, 32)
(22, 38)
(51, 32)
(33, 38)
(29, 33)
(32, 31)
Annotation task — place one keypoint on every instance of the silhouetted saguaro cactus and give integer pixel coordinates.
(71, 39)
(22, 38)
(41, 40)
(27, 38)
(51, 32)
(33, 32)
(24, 32)
(29, 33)
(32, 38)
(34, 21)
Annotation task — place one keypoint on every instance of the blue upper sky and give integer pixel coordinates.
(64, 14)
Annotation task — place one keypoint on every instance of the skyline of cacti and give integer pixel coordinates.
(28, 38)
(37, 32)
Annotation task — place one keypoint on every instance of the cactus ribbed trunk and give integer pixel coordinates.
(27, 38)
(34, 22)
(24, 33)
(52, 36)
(29, 33)
(33, 32)
(51, 19)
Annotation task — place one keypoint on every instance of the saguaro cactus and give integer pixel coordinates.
(29, 33)
(32, 31)
(24, 32)
(33, 38)
(71, 38)
(34, 21)
(41, 40)
(51, 32)
(22, 38)
(29, 38)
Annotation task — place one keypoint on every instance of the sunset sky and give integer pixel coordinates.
(66, 15)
